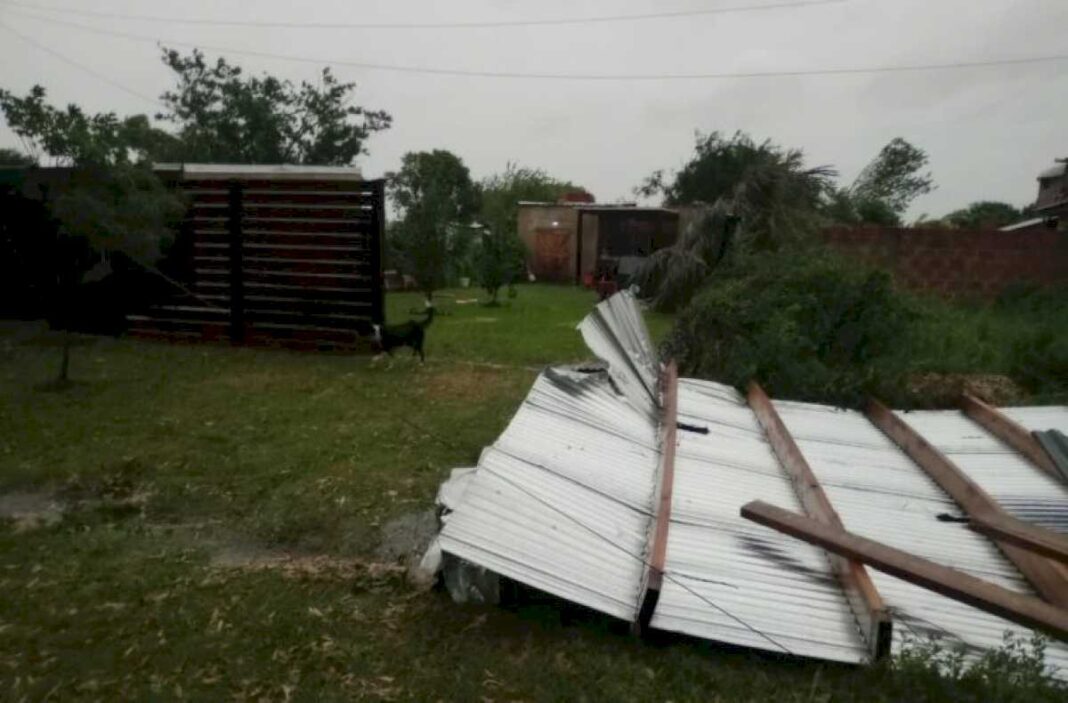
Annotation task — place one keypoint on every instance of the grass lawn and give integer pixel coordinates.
(224, 512)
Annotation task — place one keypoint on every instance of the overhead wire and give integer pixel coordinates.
(477, 73)
(78, 65)
(473, 24)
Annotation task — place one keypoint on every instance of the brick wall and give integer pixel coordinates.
(959, 262)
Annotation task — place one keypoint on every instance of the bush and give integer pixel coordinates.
(805, 324)
(1016, 672)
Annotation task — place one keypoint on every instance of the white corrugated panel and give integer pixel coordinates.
(1021, 488)
(562, 501)
(880, 494)
(778, 593)
(615, 331)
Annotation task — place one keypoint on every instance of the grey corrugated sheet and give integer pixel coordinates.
(776, 585)
(615, 331)
(563, 502)
(1024, 491)
(880, 494)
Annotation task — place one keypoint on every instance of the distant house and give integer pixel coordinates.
(1051, 206)
(1053, 191)
(574, 240)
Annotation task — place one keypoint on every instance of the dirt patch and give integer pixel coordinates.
(464, 383)
(404, 539)
(945, 389)
(29, 511)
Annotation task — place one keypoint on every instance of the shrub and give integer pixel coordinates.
(805, 324)
(1016, 671)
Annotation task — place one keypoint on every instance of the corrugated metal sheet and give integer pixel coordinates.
(1023, 490)
(615, 331)
(774, 584)
(563, 502)
(880, 494)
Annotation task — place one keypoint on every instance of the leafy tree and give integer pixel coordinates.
(500, 256)
(761, 197)
(14, 157)
(985, 214)
(721, 164)
(894, 177)
(436, 200)
(502, 192)
(73, 137)
(225, 115)
(499, 261)
(884, 189)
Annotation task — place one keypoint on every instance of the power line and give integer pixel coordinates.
(734, 9)
(80, 66)
(470, 73)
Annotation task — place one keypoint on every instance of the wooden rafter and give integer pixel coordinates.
(1023, 534)
(1048, 578)
(1008, 431)
(863, 597)
(958, 585)
(654, 573)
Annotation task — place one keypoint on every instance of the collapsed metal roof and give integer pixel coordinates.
(564, 501)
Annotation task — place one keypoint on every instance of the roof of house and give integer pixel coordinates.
(566, 497)
(262, 171)
(1054, 171)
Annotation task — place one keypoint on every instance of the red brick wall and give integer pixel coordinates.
(958, 262)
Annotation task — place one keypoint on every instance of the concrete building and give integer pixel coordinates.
(574, 241)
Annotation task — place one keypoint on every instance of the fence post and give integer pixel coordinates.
(377, 238)
(237, 281)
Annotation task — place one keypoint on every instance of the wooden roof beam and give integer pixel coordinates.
(1019, 608)
(1023, 534)
(864, 599)
(1008, 431)
(649, 593)
(1048, 578)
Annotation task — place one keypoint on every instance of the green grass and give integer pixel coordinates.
(172, 455)
(536, 328)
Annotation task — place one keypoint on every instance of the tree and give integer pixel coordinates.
(500, 257)
(73, 137)
(223, 115)
(985, 214)
(499, 261)
(719, 164)
(502, 192)
(436, 200)
(884, 189)
(14, 157)
(760, 197)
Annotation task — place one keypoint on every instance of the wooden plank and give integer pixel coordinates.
(989, 597)
(1008, 431)
(1048, 578)
(653, 579)
(293, 278)
(285, 210)
(361, 240)
(864, 599)
(1023, 534)
(287, 225)
(212, 198)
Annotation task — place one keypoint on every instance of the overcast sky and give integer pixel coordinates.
(988, 130)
